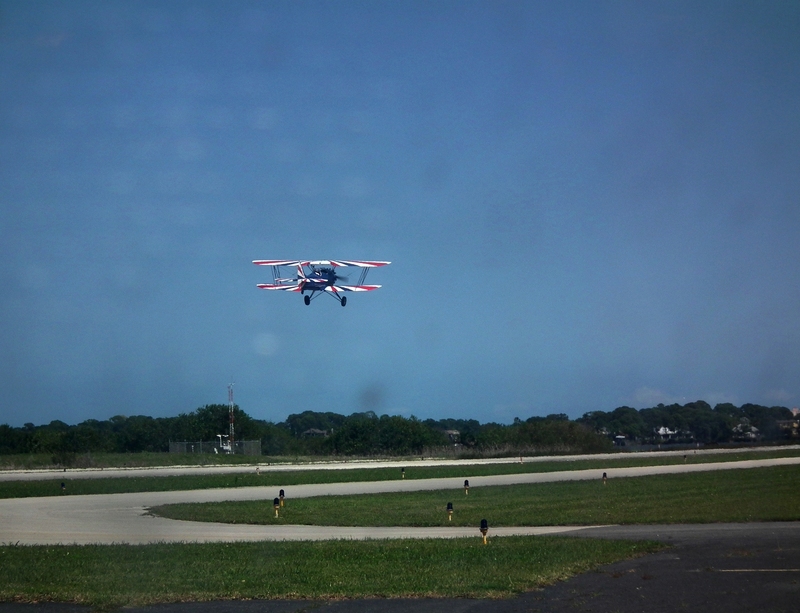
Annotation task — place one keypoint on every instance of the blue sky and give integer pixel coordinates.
(586, 205)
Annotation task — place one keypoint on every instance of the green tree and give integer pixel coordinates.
(311, 420)
(13, 440)
(358, 435)
(766, 418)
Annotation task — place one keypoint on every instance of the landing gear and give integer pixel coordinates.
(309, 297)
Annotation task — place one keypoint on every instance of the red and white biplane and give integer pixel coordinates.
(318, 277)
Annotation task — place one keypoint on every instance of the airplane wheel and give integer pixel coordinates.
(344, 300)
(307, 300)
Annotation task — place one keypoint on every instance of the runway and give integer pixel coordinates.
(123, 518)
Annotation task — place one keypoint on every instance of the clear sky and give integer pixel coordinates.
(586, 205)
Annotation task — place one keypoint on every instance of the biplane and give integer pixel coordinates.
(314, 278)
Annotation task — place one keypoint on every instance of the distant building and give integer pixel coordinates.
(744, 431)
(789, 427)
(313, 432)
(454, 436)
(664, 433)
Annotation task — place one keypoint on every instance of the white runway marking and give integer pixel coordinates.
(756, 570)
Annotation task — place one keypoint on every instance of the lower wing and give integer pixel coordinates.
(283, 286)
(351, 288)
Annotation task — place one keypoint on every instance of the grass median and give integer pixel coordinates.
(265, 477)
(755, 494)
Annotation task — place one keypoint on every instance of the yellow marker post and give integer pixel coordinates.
(466, 487)
(281, 497)
(277, 504)
(449, 511)
(484, 529)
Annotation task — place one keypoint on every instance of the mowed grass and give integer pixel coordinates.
(756, 494)
(140, 459)
(281, 479)
(111, 576)
(107, 577)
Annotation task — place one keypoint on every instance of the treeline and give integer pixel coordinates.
(695, 422)
(122, 434)
(308, 433)
(367, 434)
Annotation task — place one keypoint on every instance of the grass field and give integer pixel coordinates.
(758, 494)
(107, 577)
(144, 459)
(19, 489)
(110, 576)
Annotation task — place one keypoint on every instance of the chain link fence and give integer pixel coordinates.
(239, 447)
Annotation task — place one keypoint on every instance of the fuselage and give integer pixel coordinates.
(319, 279)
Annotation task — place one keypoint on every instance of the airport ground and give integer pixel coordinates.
(716, 568)
(355, 464)
(713, 567)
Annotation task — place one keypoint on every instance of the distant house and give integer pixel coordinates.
(789, 427)
(745, 431)
(619, 440)
(313, 432)
(664, 433)
(454, 436)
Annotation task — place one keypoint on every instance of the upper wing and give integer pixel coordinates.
(277, 262)
(335, 263)
(351, 288)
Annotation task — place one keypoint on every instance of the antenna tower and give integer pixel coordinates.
(230, 416)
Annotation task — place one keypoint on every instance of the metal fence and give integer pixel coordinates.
(239, 447)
